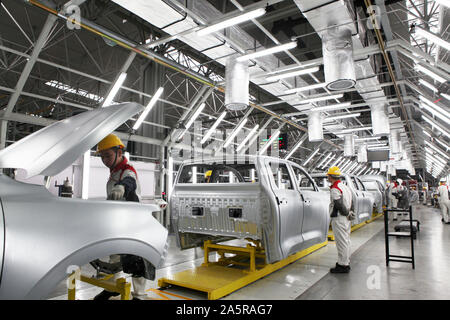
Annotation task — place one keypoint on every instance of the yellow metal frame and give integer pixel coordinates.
(226, 275)
(120, 286)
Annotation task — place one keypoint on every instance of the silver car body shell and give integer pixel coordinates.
(362, 199)
(286, 221)
(43, 236)
(381, 196)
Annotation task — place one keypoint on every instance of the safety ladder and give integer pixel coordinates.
(410, 234)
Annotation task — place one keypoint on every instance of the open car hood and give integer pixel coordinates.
(54, 148)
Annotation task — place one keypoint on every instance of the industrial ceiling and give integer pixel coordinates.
(59, 58)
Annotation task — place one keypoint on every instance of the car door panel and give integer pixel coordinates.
(289, 206)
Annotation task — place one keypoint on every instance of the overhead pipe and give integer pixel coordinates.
(349, 145)
(236, 84)
(315, 126)
(160, 60)
(380, 120)
(337, 49)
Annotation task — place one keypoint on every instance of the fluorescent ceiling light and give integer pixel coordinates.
(373, 144)
(311, 157)
(427, 134)
(248, 137)
(324, 98)
(324, 160)
(442, 144)
(235, 132)
(430, 73)
(428, 85)
(354, 129)
(115, 89)
(307, 88)
(292, 74)
(149, 107)
(345, 116)
(368, 138)
(435, 112)
(435, 156)
(437, 150)
(268, 143)
(446, 96)
(434, 125)
(434, 108)
(295, 148)
(266, 52)
(378, 148)
(192, 119)
(214, 127)
(328, 161)
(433, 38)
(331, 107)
(232, 21)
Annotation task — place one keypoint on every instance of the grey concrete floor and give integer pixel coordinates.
(371, 279)
(309, 277)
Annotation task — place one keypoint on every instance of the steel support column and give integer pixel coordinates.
(51, 19)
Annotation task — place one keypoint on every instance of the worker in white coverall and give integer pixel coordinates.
(444, 202)
(398, 189)
(341, 215)
(123, 185)
(414, 195)
(391, 192)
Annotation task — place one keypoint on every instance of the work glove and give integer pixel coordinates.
(351, 215)
(117, 192)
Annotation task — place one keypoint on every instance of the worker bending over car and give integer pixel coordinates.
(123, 185)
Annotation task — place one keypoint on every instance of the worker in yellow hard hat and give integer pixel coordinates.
(208, 176)
(341, 213)
(123, 185)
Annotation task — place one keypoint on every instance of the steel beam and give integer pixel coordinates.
(51, 19)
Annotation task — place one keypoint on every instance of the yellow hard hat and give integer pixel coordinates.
(110, 141)
(208, 173)
(334, 171)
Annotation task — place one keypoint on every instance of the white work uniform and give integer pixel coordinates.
(397, 189)
(341, 225)
(117, 174)
(425, 197)
(444, 203)
(392, 198)
(414, 197)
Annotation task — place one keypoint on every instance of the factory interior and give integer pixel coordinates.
(231, 150)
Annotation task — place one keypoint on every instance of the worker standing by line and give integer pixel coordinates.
(123, 185)
(392, 192)
(414, 195)
(341, 216)
(444, 201)
(403, 196)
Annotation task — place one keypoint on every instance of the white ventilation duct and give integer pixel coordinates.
(349, 145)
(380, 121)
(236, 85)
(338, 63)
(362, 153)
(394, 141)
(315, 126)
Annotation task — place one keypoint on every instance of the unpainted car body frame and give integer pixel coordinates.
(285, 220)
(44, 238)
